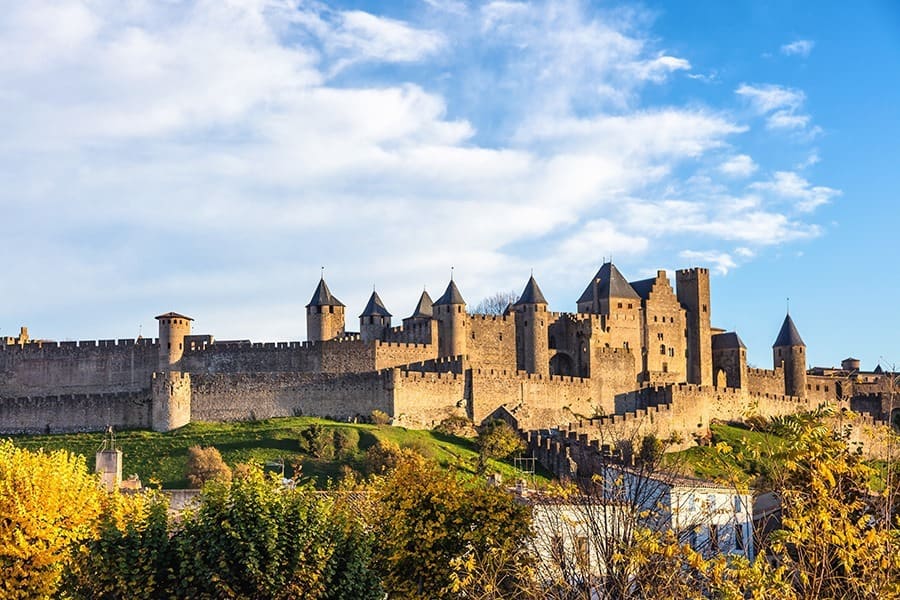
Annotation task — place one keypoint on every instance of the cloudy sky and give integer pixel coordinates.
(211, 157)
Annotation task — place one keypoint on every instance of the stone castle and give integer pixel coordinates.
(640, 354)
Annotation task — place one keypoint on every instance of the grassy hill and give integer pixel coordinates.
(162, 456)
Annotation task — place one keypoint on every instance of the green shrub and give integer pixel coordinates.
(379, 417)
(317, 441)
(346, 441)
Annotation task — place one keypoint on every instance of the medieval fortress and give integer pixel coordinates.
(640, 354)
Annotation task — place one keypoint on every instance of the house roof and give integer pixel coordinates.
(423, 308)
(451, 296)
(728, 340)
(609, 284)
(788, 336)
(172, 315)
(532, 293)
(323, 296)
(375, 307)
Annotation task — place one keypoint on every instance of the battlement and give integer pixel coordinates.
(691, 273)
(443, 364)
(445, 376)
(501, 318)
(45, 345)
(383, 344)
(72, 398)
(176, 376)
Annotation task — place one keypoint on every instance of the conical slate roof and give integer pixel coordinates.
(323, 297)
(375, 307)
(172, 315)
(788, 336)
(878, 370)
(611, 285)
(451, 296)
(423, 308)
(532, 293)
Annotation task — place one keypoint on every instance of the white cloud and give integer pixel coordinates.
(721, 262)
(798, 48)
(789, 185)
(781, 104)
(232, 142)
(740, 165)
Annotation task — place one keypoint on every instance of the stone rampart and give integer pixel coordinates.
(423, 399)
(72, 413)
(395, 354)
(765, 381)
(84, 367)
(252, 357)
(249, 396)
(492, 341)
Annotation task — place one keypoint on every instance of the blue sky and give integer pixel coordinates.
(209, 157)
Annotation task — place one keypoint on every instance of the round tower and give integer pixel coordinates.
(789, 351)
(453, 322)
(173, 328)
(374, 320)
(324, 315)
(531, 320)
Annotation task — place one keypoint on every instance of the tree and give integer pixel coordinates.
(130, 557)
(497, 440)
(427, 519)
(48, 502)
(495, 304)
(206, 464)
(256, 539)
(830, 539)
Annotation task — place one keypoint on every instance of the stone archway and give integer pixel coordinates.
(562, 364)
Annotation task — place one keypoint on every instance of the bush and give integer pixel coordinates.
(379, 417)
(384, 457)
(497, 440)
(317, 441)
(456, 425)
(346, 441)
(206, 464)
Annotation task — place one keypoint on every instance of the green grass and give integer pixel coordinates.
(162, 457)
(751, 455)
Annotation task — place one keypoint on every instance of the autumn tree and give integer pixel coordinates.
(205, 464)
(427, 519)
(497, 440)
(48, 502)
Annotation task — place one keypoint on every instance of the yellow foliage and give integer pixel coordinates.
(48, 502)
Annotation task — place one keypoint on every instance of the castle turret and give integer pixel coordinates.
(173, 328)
(374, 319)
(692, 289)
(420, 327)
(789, 351)
(531, 321)
(324, 315)
(453, 322)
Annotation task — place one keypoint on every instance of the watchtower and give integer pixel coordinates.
(531, 320)
(692, 290)
(173, 328)
(790, 351)
(453, 322)
(324, 315)
(374, 320)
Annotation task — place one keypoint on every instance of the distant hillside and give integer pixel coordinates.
(162, 456)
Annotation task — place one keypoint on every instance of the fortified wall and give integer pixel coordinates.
(640, 356)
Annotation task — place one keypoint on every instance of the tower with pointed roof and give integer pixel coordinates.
(532, 352)
(324, 315)
(692, 290)
(789, 352)
(453, 322)
(374, 320)
(420, 326)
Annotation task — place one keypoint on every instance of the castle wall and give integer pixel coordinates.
(51, 368)
(612, 374)
(252, 358)
(75, 412)
(765, 381)
(534, 400)
(423, 400)
(664, 340)
(395, 354)
(248, 396)
(492, 341)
